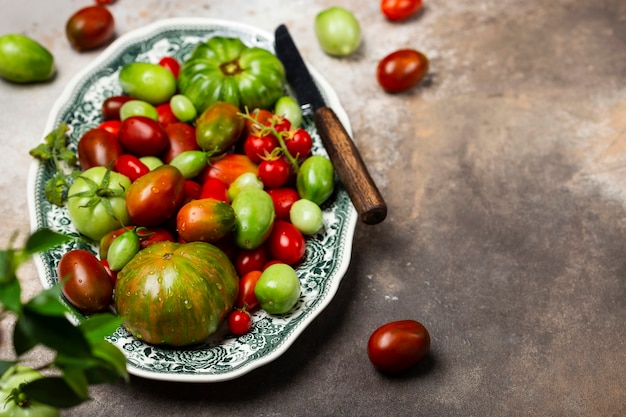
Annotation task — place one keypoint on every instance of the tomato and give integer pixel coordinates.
(258, 119)
(248, 260)
(85, 281)
(397, 346)
(147, 237)
(122, 249)
(143, 136)
(315, 180)
(219, 126)
(246, 298)
(278, 289)
(24, 60)
(338, 31)
(90, 27)
(190, 163)
(214, 188)
(183, 108)
(400, 9)
(401, 70)
(98, 147)
(165, 115)
(283, 199)
(289, 108)
(245, 180)
(299, 143)
(97, 202)
(156, 196)
(274, 172)
(254, 215)
(148, 82)
(229, 167)
(112, 126)
(206, 220)
(258, 147)
(170, 64)
(138, 108)
(239, 322)
(181, 137)
(286, 243)
(14, 402)
(112, 274)
(130, 166)
(111, 106)
(306, 216)
(192, 190)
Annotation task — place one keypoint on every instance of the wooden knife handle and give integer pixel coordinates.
(349, 167)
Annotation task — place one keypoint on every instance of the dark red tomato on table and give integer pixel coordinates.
(397, 346)
(90, 27)
(98, 147)
(286, 243)
(131, 166)
(181, 137)
(165, 114)
(248, 260)
(85, 282)
(283, 199)
(239, 322)
(400, 9)
(171, 64)
(143, 136)
(111, 106)
(401, 70)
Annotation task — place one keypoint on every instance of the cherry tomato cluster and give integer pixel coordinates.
(174, 190)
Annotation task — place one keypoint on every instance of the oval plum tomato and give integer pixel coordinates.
(283, 199)
(286, 243)
(246, 298)
(85, 281)
(111, 106)
(299, 143)
(90, 27)
(239, 322)
(250, 260)
(401, 70)
(171, 64)
(165, 115)
(400, 9)
(143, 136)
(156, 196)
(214, 188)
(181, 137)
(206, 220)
(227, 168)
(147, 236)
(112, 126)
(274, 172)
(123, 249)
(130, 166)
(98, 147)
(398, 345)
(258, 147)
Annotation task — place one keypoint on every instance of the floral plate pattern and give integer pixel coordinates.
(223, 356)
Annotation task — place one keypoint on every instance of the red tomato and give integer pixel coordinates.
(286, 243)
(112, 126)
(246, 298)
(401, 70)
(90, 27)
(156, 196)
(143, 136)
(131, 166)
(262, 117)
(98, 147)
(283, 199)
(239, 322)
(400, 9)
(250, 260)
(165, 114)
(274, 173)
(112, 274)
(85, 282)
(192, 190)
(259, 147)
(171, 64)
(181, 137)
(111, 107)
(214, 188)
(299, 143)
(228, 168)
(398, 345)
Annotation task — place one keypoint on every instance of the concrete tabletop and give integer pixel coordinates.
(504, 172)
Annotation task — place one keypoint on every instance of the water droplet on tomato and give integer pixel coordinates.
(155, 190)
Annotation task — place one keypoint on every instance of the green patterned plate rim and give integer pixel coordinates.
(223, 356)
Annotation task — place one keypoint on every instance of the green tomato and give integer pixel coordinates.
(123, 249)
(289, 108)
(338, 31)
(225, 69)
(24, 60)
(138, 108)
(254, 217)
(306, 216)
(148, 82)
(97, 202)
(278, 289)
(190, 163)
(315, 180)
(152, 162)
(183, 108)
(11, 380)
(247, 179)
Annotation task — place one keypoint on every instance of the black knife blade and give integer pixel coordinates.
(342, 151)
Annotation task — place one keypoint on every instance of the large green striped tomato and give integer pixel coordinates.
(225, 69)
(176, 294)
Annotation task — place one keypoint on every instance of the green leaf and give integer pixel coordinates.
(45, 239)
(47, 302)
(5, 366)
(10, 296)
(7, 266)
(54, 391)
(41, 151)
(55, 188)
(77, 381)
(113, 357)
(98, 326)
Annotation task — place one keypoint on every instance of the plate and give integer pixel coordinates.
(223, 356)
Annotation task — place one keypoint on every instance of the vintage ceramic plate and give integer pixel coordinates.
(328, 253)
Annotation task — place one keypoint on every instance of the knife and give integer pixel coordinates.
(342, 151)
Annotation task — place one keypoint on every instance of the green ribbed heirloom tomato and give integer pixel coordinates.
(225, 69)
(176, 294)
